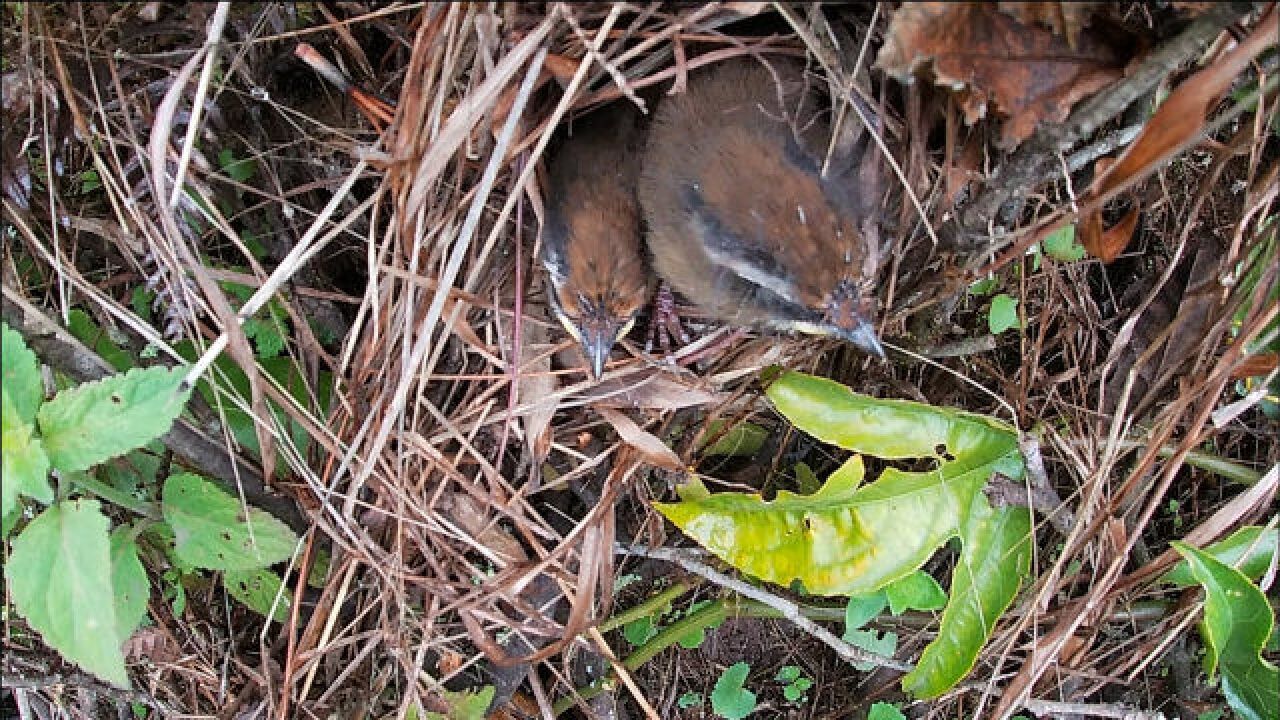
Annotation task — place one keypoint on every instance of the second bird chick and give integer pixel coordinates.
(741, 220)
(592, 246)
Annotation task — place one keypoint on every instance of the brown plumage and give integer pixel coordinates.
(741, 220)
(592, 247)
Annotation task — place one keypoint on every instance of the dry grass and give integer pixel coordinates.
(463, 487)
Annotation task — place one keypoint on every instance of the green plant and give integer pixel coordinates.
(729, 699)
(66, 559)
(794, 683)
(1236, 625)
(854, 539)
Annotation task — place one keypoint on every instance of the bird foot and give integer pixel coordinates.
(664, 323)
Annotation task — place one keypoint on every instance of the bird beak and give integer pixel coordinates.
(863, 334)
(597, 344)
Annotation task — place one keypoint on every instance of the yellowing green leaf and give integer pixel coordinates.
(59, 576)
(210, 531)
(87, 424)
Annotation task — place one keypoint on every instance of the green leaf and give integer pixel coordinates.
(984, 287)
(210, 531)
(917, 591)
(1004, 314)
(885, 711)
(855, 540)
(861, 609)
(795, 684)
(465, 705)
(1237, 621)
(22, 460)
(97, 421)
(129, 581)
(996, 555)
(741, 440)
(1061, 245)
(20, 371)
(688, 700)
(807, 482)
(729, 699)
(242, 171)
(639, 632)
(1248, 549)
(59, 576)
(258, 589)
(881, 643)
(88, 332)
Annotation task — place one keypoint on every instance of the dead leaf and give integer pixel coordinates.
(1181, 118)
(653, 450)
(1026, 71)
(537, 382)
(1064, 19)
(1106, 245)
(650, 389)
(1256, 366)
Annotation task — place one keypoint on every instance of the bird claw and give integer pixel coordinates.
(664, 323)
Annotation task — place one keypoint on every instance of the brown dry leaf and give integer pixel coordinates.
(536, 383)
(150, 643)
(653, 450)
(1181, 118)
(1065, 19)
(1106, 245)
(1030, 74)
(650, 389)
(1256, 366)
(470, 515)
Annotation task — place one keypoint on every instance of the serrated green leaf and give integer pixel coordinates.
(917, 591)
(1237, 622)
(995, 557)
(22, 459)
(1003, 315)
(90, 423)
(258, 589)
(1061, 245)
(129, 581)
(729, 699)
(210, 531)
(20, 374)
(59, 573)
(1248, 549)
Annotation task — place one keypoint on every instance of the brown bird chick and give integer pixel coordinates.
(742, 222)
(592, 248)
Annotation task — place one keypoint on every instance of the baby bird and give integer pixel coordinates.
(741, 220)
(592, 247)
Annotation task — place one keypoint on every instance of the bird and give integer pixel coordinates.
(592, 248)
(742, 221)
